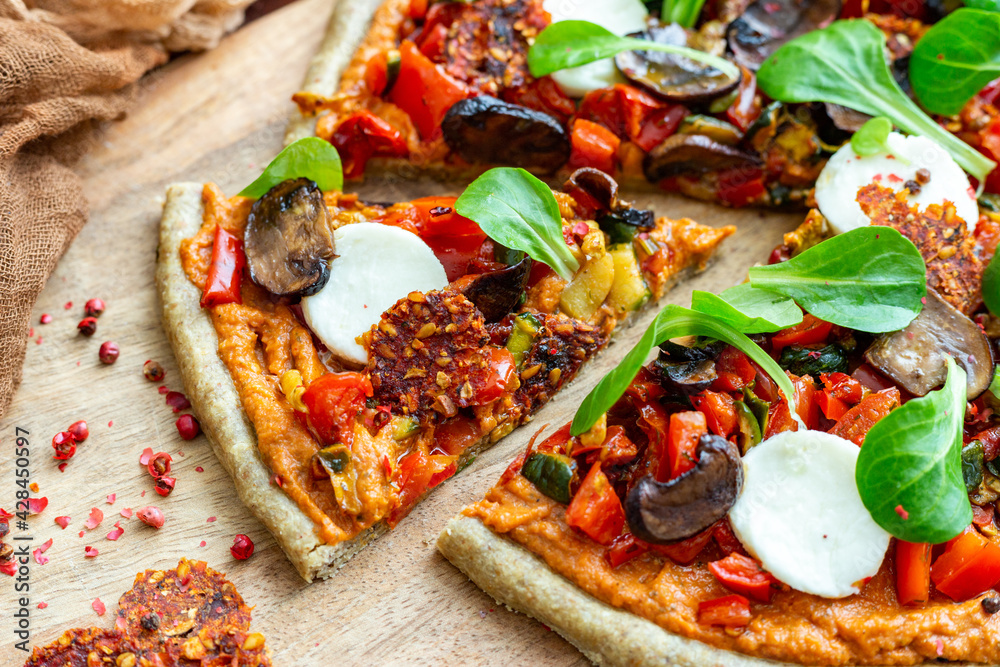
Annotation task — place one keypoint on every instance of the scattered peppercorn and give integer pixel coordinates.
(87, 326)
(153, 371)
(108, 354)
(159, 464)
(79, 430)
(151, 516)
(164, 485)
(94, 308)
(991, 605)
(923, 176)
(913, 187)
(188, 427)
(242, 547)
(45, 318)
(65, 445)
(150, 622)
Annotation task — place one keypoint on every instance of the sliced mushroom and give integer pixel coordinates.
(767, 24)
(674, 352)
(846, 119)
(692, 154)
(288, 239)
(687, 377)
(667, 512)
(593, 189)
(916, 356)
(485, 130)
(496, 293)
(673, 77)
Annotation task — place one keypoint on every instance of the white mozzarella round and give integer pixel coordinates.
(800, 514)
(619, 16)
(376, 266)
(847, 172)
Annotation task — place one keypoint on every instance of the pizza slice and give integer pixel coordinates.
(410, 86)
(368, 351)
(822, 494)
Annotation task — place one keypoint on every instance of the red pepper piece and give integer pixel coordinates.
(744, 575)
(596, 509)
(729, 611)
(225, 273)
(913, 572)
(362, 136)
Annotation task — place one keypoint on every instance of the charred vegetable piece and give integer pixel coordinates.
(551, 474)
(669, 512)
(704, 349)
(800, 360)
(331, 460)
(767, 24)
(497, 293)
(583, 296)
(522, 336)
(485, 130)
(593, 189)
(289, 240)
(623, 224)
(749, 433)
(686, 378)
(629, 290)
(693, 154)
(404, 427)
(972, 465)
(915, 357)
(713, 128)
(758, 407)
(671, 76)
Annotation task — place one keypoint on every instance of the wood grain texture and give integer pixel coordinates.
(221, 116)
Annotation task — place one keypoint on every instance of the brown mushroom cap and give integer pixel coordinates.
(668, 512)
(766, 25)
(692, 154)
(916, 357)
(289, 240)
(496, 293)
(599, 189)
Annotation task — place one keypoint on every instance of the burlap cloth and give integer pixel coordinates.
(66, 65)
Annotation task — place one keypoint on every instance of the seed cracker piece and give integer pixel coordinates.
(426, 354)
(85, 647)
(165, 609)
(954, 267)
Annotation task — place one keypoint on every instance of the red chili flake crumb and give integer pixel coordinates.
(127, 512)
(111, 423)
(90, 552)
(69, 304)
(177, 401)
(277, 480)
(94, 520)
(162, 389)
(116, 533)
(143, 494)
(62, 466)
(43, 605)
(180, 453)
(39, 558)
(4, 514)
(31, 332)
(45, 545)
(199, 469)
(9, 568)
(242, 547)
(210, 519)
(98, 606)
(34, 487)
(45, 318)
(63, 521)
(79, 430)
(939, 647)
(903, 514)
(203, 543)
(581, 228)
(147, 454)
(188, 427)
(923, 300)
(36, 505)
(38, 341)
(111, 498)
(81, 534)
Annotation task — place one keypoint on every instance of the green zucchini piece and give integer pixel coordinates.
(522, 336)
(814, 360)
(334, 459)
(749, 434)
(404, 427)
(392, 63)
(551, 474)
(758, 406)
(713, 128)
(629, 290)
(972, 465)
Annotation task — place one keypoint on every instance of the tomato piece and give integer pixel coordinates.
(745, 576)
(502, 369)
(418, 9)
(416, 474)
(991, 442)
(596, 509)
(719, 410)
(455, 436)
(658, 126)
(726, 539)
(779, 419)
(913, 572)
(686, 551)
(455, 239)
(686, 428)
(557, 442)
(620, 108)
(740, 187)
(843, 386)
(734, 370)
(334, 401)
(832, 407)
(625, 548)
(424, 91)
(432, 42)
(805, 401)
(730, 610)
(617, 448)
(225, 272)
(544, 95)
(377, 73)
(856, 422)
(969, 566)
(593, 145)
(645, 387)
(809, 331)
(362, 136)
(746, 107)
(654, 421)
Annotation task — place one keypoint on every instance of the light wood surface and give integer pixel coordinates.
(220, 116)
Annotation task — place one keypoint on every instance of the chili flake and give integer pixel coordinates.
(94, 520)
(98, 606)
(63, 521)
(36, 505)
(90, 552)
(116, 533)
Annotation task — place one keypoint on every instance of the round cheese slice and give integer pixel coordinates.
(800, 514)
(847, 172)
(376, 266)
(619, 16)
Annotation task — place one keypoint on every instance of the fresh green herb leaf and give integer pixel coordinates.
(310, 158)
(873, 137)
(986, 5)
(995, 384)
(519, 211)
(573, 43)
(672, 322)
(870, 279)
(845, 64)
(991, 285)
(911, 466)
(684, 12)
(749, 310)
(957, 57)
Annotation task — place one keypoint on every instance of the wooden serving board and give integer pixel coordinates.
(220, 116)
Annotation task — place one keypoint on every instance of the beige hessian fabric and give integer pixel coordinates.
(65, 65)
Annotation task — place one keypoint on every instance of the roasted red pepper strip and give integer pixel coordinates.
(969, 565)
(809, 331)
(730, 610)
(686, 428)
(596, 509)
(719, 410)
(744, 575)
(593, 145)
(225, 273)
(913, 572)
(334, 401)
(417, 473)
(424, 91)
(362, 136)
(857, 421)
